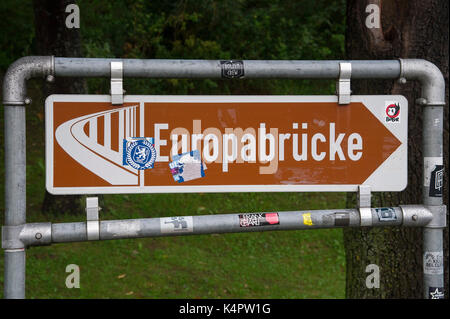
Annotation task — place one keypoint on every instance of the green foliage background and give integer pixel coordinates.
(192, 29)
(294, 264)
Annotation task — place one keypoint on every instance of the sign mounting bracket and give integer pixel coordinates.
(364, 203)
(117, 83)
(343, 84)
(92, 220)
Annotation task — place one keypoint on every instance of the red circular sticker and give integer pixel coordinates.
(393, 110)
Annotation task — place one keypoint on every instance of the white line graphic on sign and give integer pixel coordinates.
(100, 159)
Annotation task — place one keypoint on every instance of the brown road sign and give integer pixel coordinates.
(224, 144)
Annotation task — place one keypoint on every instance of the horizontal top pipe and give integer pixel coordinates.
(162, 68)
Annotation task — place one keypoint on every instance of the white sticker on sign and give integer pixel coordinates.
(433, 263)
(181, 224)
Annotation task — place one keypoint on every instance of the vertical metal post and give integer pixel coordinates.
(433, 256)
(15, 196)
(433, 100)
(14, 91)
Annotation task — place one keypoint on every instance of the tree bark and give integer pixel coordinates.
(408, 29)
(54, 38)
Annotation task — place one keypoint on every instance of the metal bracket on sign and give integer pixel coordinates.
(116, 82)
(92, 223)
(364, 203)
(343, 84)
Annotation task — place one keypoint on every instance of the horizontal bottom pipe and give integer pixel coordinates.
(32, 234)
(205, 224)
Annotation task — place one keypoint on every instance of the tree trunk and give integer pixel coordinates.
(54, 38)
(408, 29)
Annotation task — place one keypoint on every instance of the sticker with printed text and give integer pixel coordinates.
(258, 219)
(232, 69)
(433, 263)
(392, 112)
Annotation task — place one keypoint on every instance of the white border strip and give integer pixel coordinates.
(399, 157)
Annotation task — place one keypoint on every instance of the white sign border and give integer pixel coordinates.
(396, 162)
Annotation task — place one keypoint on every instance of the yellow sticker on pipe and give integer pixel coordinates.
(307, 219)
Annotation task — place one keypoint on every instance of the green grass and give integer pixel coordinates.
(284, 264)
(281, 264)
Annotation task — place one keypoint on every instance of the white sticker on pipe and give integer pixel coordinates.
(433, 263)
(130, 227)
(181, 224)
(429, 165)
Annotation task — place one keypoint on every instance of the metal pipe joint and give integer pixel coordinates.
(11, 237)
(415, 215)
(14, 85)
(22, 236)
(439, 217)
(430, 77)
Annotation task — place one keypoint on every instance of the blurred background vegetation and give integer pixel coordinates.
(294, 264)
(189, 29)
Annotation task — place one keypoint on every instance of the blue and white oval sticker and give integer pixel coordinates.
(139, 153)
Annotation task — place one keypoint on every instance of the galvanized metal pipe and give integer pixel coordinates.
(15, 197)
(433, 98)
(14, 94)
(97, 67)
(14, 84)
(430, 77)
(204, 224)
(46, 233)
(14, 274)
(433, 118)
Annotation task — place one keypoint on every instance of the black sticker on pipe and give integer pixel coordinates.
(232, 69)
(258, 219)
(437, 181)
(341, 219)
(436, 293)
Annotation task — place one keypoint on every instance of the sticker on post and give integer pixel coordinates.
(187, 166)
(258, 219)
(232, 69)
(386, 214)
(433, 263)
(433, 175)
(180, 224)
(435, 292)
(437, 181)
(139, 152)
